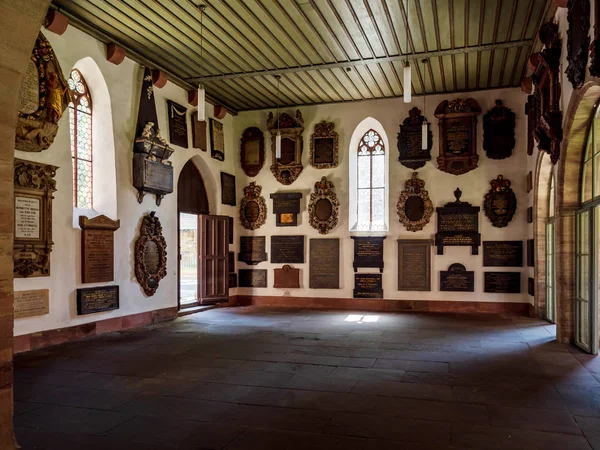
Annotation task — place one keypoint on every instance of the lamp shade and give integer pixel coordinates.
(278, 145)
(201, 104)
(424, 135)
(407, 83)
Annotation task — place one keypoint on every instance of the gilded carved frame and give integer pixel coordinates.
(500, 202)
(251, 135)
(150, 230)
(253, 207)
(324, 130)
(290, 128)
(414, 188)
(323, 192)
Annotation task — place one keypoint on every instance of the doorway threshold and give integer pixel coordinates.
(187, 310)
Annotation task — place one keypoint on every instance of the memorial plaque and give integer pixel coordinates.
(458, 224)
(530, 214)
(252, 250)
(410, 140)
(252, 152)
(502, 282)
(233, 280)
(253, 278)
(530, 253)
(31, 303)
(503, 253)
(231, 262)
(178, 132)
(287, 249)
(286, 206)
(457, 279)
(217, 140)
(97, 248)
(227, 189)
(287, 278)
(97, 299)
(27, 217)
(199, 136)
(414, 264)
(230, 224)
(324, 268)
(368, 252)
(324, 146)
(529, 181)
(368, 285)
(531, 286)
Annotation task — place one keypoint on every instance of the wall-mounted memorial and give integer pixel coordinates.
(414, 207)
(287, 249)
(44, 98)
(368, 285)
(252, 278)
(252, 249)
(323, 207)
(252, 151)
(98, 248)
(532, 112)
(288, 167)
(286, 278)
(500, 203)
(199, 135)
(228, 189)
(97, 299)
(410, 141)
(253, 207)
(31, 303)
(414, 264)
(578, 40)
(457, 279)
(324, 264)
(458, 225)
(34, 186)
(150, 254)
(178, 132)
(503, 253)
(324, 146)
(152, 172)
(499, 132)
(217, 140)
(530, 253)
(368, 252)
(458, 135)
(502, 282)
(595, 47)
(286, 207)
(531, 286)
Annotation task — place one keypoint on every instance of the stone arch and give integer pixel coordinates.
(211, 185)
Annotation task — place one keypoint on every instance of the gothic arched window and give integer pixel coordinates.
(371, 183)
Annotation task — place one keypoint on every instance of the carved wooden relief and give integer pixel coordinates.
(324, 146)
(531, 113)
(34, 185)
(252, 151)
(287, 168)
(253, 207)
(410, 141)
(595, 47)
(414, 207)
(578, 41)
(150, 254)
(499, 132)
(500, 203)
(458, 135)
(323, 207)
(548, 132)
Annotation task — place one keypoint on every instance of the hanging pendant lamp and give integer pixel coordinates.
(278, 135)
(407, 71)
(201, 91)
(424, 133)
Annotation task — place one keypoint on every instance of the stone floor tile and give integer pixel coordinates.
(547, 398)
(354, 373)
(185, 408)
(533, 419)
(328, 384)
(277, 418)
(406, 390)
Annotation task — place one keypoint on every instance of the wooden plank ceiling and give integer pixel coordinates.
(325, 50)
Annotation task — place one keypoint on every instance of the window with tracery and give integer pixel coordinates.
(80, 118)
(371, 183)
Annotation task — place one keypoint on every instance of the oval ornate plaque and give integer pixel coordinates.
(324, 207)
(414, 207)
(150, 254)
(500, 203)
(253, 207)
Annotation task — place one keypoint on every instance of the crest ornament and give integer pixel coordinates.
(253, 207)
(499, 132)
(323, 207)
(414, 207)
(150, 254)
(288, 167)
(324, 146)
(578, 40)
(500, 203)
(410, 140)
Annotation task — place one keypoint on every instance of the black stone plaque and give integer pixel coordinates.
(178, 132)
(231, 262)
(457, 279)
(410, 141)
(230, 226)
(368, 285)
(97, 299)
(503, 253)
(227, 189)
(531, 286)
(502, 282)
(253, 278)
(287, 249)
(252, 249)
(530, 253)
(286, 206)
(458, 224)
(530, 214)
(368, 252)
(414, 264)
(324, 270)
(233, 280)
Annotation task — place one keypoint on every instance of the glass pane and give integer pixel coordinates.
(84, 136)
(84, 184)
(378, 162)
(364, 209)
(188, 263)
(586, 182)
(364, 172)
(551, 197)
(583, 320)
(378, 219)
(72, 128)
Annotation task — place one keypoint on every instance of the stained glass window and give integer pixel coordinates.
(80, 118)
(371, 183)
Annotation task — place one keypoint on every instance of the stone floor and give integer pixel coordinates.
(258, 378)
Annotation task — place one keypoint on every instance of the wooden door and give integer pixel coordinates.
(213, 270)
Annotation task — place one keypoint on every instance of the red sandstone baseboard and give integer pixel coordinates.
(383, 305)
(47, 338)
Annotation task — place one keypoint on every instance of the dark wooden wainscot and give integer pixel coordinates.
(253, 278)
(410, 140)
(503, 253)
(252, 249)
(530, 253)
(531, 286)
(368, 252)
(97, 248)
(502, 282)
(286, 278)
(324, 264)
(227, 189)
(414, 264)
(368, 285)
(217, 140)
(97, 299)
(287, 249)
(178, 132)
(458, 225)
(457, 279)
(252, 152)
(286, 206)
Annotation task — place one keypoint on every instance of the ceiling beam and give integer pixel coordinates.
(362, 62)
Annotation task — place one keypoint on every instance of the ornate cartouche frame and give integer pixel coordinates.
(252, 195)
(290, 128)
(499, 132)
(34, 186)
(323, 190)
(252, 134)
(500, 215)
(578, 40)
(414, 187)
(151, 230)
(324, 130)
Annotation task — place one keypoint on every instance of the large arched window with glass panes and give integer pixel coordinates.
(371, 183)
(80, 118)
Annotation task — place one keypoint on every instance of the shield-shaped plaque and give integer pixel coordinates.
(500, 202)
(253, 207)
(414, 207)
(323, 208)
(499, 132)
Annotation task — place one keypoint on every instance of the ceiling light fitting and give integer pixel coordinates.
(407, 71)
(424, 133)
(278, 135)
(201, 91)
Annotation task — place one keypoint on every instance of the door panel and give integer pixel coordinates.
(213, 270)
